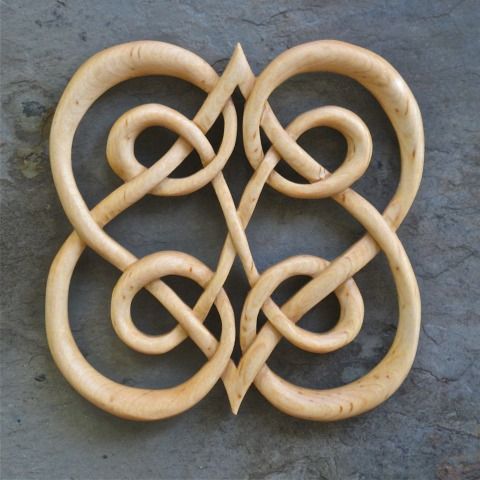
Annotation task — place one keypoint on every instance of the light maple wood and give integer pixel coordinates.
(122, 62)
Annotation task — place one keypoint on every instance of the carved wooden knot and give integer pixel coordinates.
(123, 62)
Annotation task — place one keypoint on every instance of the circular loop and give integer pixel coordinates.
(357, 159)
(143, 272)
(349, 297)
(121, 154)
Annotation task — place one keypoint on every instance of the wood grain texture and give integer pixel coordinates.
(123, 62)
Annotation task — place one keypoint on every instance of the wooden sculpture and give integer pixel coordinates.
(122, 62)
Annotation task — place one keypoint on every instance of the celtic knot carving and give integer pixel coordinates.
(119, 63)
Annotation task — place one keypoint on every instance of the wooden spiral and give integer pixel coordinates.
(123, 62)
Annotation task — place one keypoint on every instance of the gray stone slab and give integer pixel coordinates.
(429, 429)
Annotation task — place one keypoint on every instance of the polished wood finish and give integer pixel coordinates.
(116, 64)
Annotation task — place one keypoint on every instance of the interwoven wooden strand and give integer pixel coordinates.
(97, 75)
(388, 87)
(141, 58)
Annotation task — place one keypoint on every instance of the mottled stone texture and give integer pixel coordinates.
(429, 429)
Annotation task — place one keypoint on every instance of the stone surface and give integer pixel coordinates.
(428, 429)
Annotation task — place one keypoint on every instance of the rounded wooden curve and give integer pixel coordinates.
(384, 82)
(97, 75)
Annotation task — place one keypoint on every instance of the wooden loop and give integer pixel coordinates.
(152, 267)
(345, 330)
(357, 159)
(121, 155)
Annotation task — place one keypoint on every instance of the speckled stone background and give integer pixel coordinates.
(428, 429)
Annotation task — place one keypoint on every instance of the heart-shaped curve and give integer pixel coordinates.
(122, 62)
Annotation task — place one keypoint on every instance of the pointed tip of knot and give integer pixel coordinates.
(238, 48)
(235, 408)
(235, 401)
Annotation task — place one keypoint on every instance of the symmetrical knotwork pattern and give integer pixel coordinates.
(123, 62)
